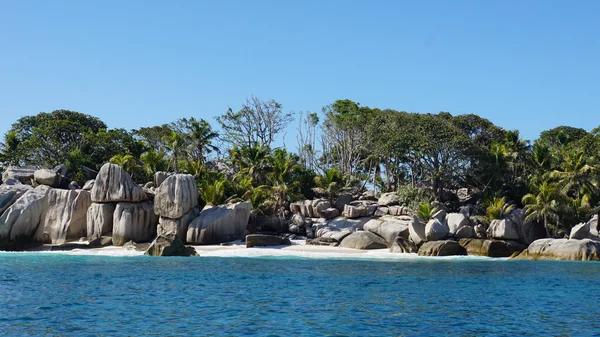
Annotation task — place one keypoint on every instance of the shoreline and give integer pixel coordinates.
(239, 250)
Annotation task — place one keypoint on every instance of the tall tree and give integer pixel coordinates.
(257, 122)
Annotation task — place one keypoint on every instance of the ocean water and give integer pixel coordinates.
(79, 295)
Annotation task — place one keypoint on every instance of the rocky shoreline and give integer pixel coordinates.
(42, 210)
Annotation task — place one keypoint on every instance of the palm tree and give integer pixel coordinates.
(497, 208)
(213, 193)
(174, 141)
(126, 161)
(153, 161)
(330, 183)
(575, 175)
(543, 204)
(425, 212)
(202, 135)
(280, 178)
(251, 160)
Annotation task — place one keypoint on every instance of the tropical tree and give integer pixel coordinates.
(126, 161)
(543, 204)
(330, 183)
(173, 143)
(154, 161)
(575, 176)
(425, 212)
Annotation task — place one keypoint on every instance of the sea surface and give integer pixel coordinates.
(71, 295)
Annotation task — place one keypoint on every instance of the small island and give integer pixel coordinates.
(361, 178)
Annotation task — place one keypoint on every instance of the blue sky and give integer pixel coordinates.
(530, 65)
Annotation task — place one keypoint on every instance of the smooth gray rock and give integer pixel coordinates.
(176, 196)
(388, 230)
(23, 175)
(176, 226)
(440, 215)
(22, 221)
(465, 232)
(402, 245)
(169, 245)
(399, 210)
(263, 240)
(389, 199)
(66, 215)
(456, 221)
(101, 241)
(100, 219)
(381, 211)
(10, 193)
(436, 230)
(320, 205)
(363, 240)
(343, 200)
(330, 213)
(416, 230)
(113, 184)
(562, 249)
(134, 222)
(441, 248)
(46, 177)
(580, 232)
(219, 224)
(504, 229)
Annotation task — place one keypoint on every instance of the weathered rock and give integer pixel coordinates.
(416, 230)
(402, 245)
(504, 229)
(66, 215)
(363, 240)
(436, 230)
(21, 223)
(441, 248)
(355, 211)
(338, 228)
(381, 211)
(134, 221)
(440, 215)
(218, 224)
(580, 232)
(100, 219)
(46, 177)
(113, 184)
(177, 195)
(88, 185)
(169, 245)
(101, 241)
(23, 175)
(491, 248)
(263, 240)
(10, 193)
(388, 230)
(330, 213)
(562, 249)
(388, 199)
(179, 226)
(399, 210)
(456, 221)
(480, 231)
(471, 210)
(298, 220)
(343, 200)
(159, 177)
(267, 223)
(323, 241)
(319, 206)
(368, 195)
(465, 232)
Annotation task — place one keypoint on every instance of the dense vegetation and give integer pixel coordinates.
(423, 157)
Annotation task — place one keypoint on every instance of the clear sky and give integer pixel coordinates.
(530, 65)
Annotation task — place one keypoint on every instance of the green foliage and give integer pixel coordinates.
(425, 212)
(330, 183)
(413, 198)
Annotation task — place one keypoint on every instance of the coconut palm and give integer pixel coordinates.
(153, 161)
(174, 142)
(330, 183)
(497, 208)
(543, 204)
(425, 212)
(575, 175)
(202, 136)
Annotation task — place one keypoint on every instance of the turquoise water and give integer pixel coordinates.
(47, 294)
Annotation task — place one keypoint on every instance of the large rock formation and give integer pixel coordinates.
(23, 175)
(113, 184)
(363, 240)
(10, 193)
(66, 215)
(436, 230)
(338, 228)
(504, 229)
(562, 249)
(491, 248)
(402, 245)
(441, 248)
(176, 196)
(416, 230)
(219, 224)
(388, 199)
(50, 178)
(21, 223)
(134, 222)
(587, 230)
(100, 219)
(388, 229)
(456, 221)
(355, 211)
(262, 240)
(177, 226)
(169, 245)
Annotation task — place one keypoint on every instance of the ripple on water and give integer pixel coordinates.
(94, 295)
